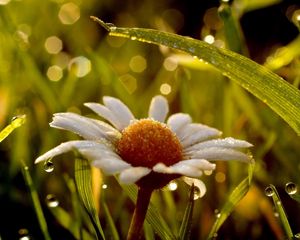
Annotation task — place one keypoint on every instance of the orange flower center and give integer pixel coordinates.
(147, 142)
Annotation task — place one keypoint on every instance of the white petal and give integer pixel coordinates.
(224, 143)
(106, 113)
(83, 126)
(197, 183)
(159, 108)
(201, 164)
(177, 121)
(133, 174)
(120, 110)
(190, 168)
(111, 165)
(69, 146)
(218, 153)
(194, 133)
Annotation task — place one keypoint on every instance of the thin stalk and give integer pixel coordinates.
(142, 203)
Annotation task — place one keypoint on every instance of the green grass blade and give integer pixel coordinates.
(185, 228)
(279, 95)
(15, 123)
(232, 31)
(153, 216)
(238, 193)
(67, 221)
(84, 186)
(110, 222)
(36, 203)
(280, 210)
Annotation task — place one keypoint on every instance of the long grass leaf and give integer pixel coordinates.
(110, 222)
(280, 210)
(36, 203)
(67, 221)
(279, 95)
(15, 123)
(238, 193)
(83, 181)
(185, 228)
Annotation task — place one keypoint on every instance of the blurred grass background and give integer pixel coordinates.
(54, 58)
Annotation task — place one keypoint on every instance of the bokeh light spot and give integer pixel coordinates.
(80, 66)
(220, 177)
(138, 64)
(165, 88)
(69, 13)
(129, 82)
(53, 45)
(54, 73)
(170, 64)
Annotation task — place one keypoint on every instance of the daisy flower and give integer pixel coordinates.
(149, 152)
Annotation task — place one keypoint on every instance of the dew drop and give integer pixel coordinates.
(297, 235)
(23, 234)
(104, 186)
(48, 166)
(291, 188)
(269, 191)
(197, 193)
(276, 214)
(111, 26)
(133, 37)
(52, 201)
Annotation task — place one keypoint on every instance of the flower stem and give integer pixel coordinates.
(136, 225)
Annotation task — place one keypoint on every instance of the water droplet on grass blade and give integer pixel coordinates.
(297, 235)
(52, 201)
(133, 37)
(111, 26)
(48, 166)
(269, 191)
(23, 234)
(291, 188)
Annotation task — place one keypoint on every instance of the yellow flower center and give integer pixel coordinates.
(147, 142)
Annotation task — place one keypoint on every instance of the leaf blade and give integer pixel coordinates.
(280, 96)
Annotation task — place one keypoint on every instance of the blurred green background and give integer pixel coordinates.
(54, 58)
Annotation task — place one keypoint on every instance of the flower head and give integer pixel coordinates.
(149, 152)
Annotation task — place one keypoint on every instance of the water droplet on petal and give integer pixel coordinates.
(197, 193)
(269, 191)
(48, 166)
(52, 201)
(23, 234)
(291, 188)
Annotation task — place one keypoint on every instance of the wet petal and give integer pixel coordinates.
(195, 133)
(83, 126)
(106, 113)
(110, 165)
(224, 143)
(191, 167)
(133, 174)
(120, 110)
(218, 153)
(177, 121)
(159, 108)
(197, 183)
(80, 145)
